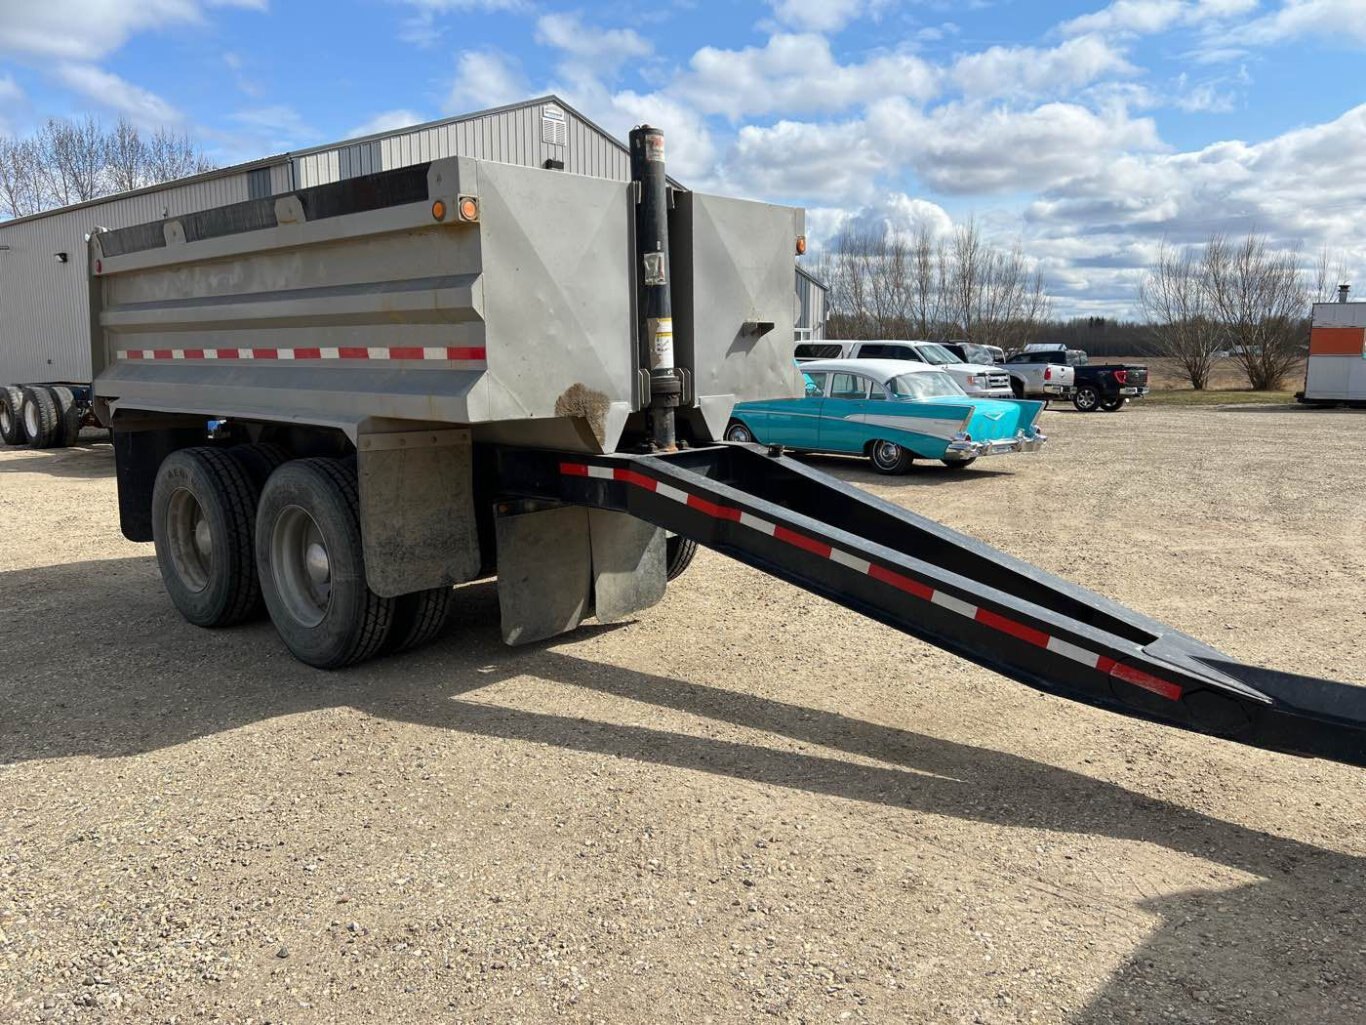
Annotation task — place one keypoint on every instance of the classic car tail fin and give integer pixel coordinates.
(911, 573)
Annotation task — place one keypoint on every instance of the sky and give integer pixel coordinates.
(1089, 133)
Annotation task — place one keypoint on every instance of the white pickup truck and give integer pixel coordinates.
(1034, 375)
(978, 380)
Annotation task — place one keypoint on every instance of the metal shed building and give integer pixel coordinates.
(44, 306)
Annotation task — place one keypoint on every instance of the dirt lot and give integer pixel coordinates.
(747, 803)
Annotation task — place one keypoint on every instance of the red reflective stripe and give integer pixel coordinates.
(265, 353)
(1149, 682)
(406, 352)
(194, 353)
(719, 512)
(353, 352)
(638, 479)
(900, 581)
(466, 352)
(574, 469)
(161, 354)
(1008, 626)
(134, 354)
(308, 354)
(226, 353)
(1105, 664)
(802, 541)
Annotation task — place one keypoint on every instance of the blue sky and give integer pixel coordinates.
(1088, 132)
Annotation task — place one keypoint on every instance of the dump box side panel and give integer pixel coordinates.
(735, 302)
(351, 301)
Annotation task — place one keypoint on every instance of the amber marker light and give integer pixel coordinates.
(439, 210)
(801, 245)
(469, 208)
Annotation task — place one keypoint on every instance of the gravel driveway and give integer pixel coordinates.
(748, 803)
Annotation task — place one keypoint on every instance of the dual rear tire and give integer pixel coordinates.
(240, 529)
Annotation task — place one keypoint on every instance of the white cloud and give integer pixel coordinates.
(484, 78)
(1149, 17)
(1341, 19)
(794, 74)
(276, 127)
(142, 107)
(386, 121)
(799, 160)
(601, 49)
(1026, 71)
(85, 30)
(824, 15)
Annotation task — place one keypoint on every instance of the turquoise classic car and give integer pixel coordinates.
(891, 411)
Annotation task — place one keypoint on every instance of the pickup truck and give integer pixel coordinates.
(1037, 375)
(1098, 386)
(981, 381)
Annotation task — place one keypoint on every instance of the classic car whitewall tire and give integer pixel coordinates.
(889, 457)
(736, 431)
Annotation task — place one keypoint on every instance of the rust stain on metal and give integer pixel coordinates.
(580, 401)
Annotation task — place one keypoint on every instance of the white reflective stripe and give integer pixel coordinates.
(329, 353)
(756, 523)
(284, 353)
(1060, 647)
(210, 353)
(844, 558)
(177, 354)
(669, 491)
(434, 353)
(953, 604)
(378, 353)
(603, 472)
(245, 354)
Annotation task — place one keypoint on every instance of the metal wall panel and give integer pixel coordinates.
(44, 304)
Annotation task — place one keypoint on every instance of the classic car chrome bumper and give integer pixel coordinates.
(962, 447)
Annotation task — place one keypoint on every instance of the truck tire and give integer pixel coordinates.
(679, 552)
(259, 461)
(1017, 387)
(419, 617)
(203, 511)
(1086, 398)
(41, 422)
(1113, 404)
(890, 458)
(68, 417)
(12, 416)
(311, 563)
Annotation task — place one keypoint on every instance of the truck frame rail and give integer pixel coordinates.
(812, 530)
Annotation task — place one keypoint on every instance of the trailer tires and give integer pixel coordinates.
(312, 565)
(259, 461)
(68, 416)
(419, 618)
(41, 421)
(1086, 399)
(12, 416)
(679, 552)
(203, 509)
(890, 458)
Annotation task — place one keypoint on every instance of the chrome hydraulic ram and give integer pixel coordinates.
(774, 513)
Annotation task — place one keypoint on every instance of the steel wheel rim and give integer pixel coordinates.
(301, 565)
(31, 419)
(886, 453)
(739, 432)
(190, 539)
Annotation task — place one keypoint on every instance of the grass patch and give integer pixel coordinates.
(1215, 397)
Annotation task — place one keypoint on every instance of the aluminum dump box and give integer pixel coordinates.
(456, 292)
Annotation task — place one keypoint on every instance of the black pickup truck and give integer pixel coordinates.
(1104, 386)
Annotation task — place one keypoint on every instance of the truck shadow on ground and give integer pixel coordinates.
(134, 678)
(89, 459)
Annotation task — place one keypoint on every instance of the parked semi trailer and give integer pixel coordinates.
(461, 369)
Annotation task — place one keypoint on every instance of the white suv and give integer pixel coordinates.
(990, 382)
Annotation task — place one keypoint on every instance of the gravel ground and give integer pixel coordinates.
(747, 803)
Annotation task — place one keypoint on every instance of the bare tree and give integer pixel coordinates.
(21, 190)
(171, 155)
(928, 259)
(1176, 300)
(1260, 301)
(992, 295)
(71, 160)
(126, 157)
(1329, 273)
